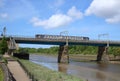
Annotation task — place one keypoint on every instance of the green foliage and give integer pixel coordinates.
(5, 61)
(51, 50)
(74, 49)
(82, 49)
(3, 46)
(114, 51)
(23, 50)
(54, 50)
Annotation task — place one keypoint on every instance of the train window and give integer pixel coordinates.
(75, 38)
(45, 36)
(50, 37)
(53, 37)
(72, 38)
(78, 38)
(82, 38)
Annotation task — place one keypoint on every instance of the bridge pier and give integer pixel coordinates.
(63, 56)
(10, 52)
(102, 50)
(11, 46)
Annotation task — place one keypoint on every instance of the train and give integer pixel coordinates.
(60, 37)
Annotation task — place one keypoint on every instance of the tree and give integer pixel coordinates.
(3, 46)
(116, 51)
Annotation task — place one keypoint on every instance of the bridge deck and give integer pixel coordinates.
(63, 42)
(28, 40)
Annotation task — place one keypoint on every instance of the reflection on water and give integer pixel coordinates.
(100, 76)
(62, 67)
(90, 71)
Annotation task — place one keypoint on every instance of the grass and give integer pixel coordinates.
(1, 74)
(44, 74)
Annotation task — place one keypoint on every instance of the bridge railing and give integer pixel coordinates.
(20, 36)
(105, 40)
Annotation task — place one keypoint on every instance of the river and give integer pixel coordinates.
(90, 71)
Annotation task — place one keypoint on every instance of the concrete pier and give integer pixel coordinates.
(63, 56)
(102, 50)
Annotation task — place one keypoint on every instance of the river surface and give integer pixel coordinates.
(89, 71)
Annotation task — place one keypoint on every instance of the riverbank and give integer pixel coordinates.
(1, 74)
(89, 71)
(85, 58)
(92, 58)
(44, 74)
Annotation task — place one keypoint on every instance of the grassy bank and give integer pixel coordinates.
(44, 74)
(1, 74)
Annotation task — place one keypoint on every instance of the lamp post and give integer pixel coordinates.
(66, 33)
(3, 33)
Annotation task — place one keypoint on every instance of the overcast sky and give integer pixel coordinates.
(79, 17)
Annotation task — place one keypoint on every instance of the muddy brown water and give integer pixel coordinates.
(89, 71)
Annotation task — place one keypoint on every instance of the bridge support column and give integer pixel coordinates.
(102, 50)
(10, 52)
(63, 56)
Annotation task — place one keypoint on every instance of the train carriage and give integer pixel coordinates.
(57, 37)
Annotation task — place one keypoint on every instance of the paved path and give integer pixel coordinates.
(17, 71)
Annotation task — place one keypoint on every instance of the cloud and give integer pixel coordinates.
(3, 15)
(108, 9)
(58, 20)
(53, 22)
(73, 12)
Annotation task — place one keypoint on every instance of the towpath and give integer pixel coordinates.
(16, 70)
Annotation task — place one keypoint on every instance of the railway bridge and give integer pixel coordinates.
(63, 55)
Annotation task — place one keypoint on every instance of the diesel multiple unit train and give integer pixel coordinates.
(60, 37)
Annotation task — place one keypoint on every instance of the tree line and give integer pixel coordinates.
(74, 49)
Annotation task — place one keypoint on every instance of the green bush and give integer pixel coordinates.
(3, 46)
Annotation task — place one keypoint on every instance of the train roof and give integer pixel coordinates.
(59, 35)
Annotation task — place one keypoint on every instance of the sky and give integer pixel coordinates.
(88, 18)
